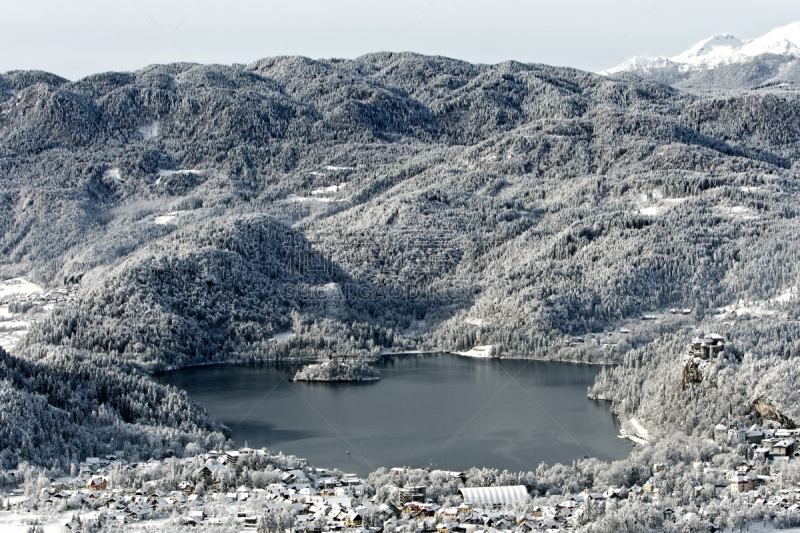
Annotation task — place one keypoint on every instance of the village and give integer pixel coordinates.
(249, 489)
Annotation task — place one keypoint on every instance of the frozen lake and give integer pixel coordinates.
(444, 411)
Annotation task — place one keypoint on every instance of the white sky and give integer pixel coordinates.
(75, 39)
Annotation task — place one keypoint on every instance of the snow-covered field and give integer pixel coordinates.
(169, 218)
(148, 131)
(650, 211)
(759, 308)
(38, 304)
(162, 172)
(18, 286)
(737, 211)
(641, 432)
(295, 198)
(478, 351)
(11, 522)
(285, 335)
(328, 190)
(655, 204)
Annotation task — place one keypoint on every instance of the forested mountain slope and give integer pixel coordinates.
(60, 405)
(391, 201)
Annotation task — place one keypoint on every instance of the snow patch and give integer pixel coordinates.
(148, 131)
(674, 201)
(329, 189)
(655, 204)
(737, 211)
(476, 321)
(786, 296)
(650, 211)
(169, 218)
(284, 336)
(295, 198)
(162, 173)
(331, 167)
(114, 174)
(478, 351)
(18, 286)
(641, 432)
(750, 308)
(11, 522)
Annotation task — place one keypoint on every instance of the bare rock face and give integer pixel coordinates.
(767, 411)
(691, 374)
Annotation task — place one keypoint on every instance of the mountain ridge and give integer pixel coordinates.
(768, 59)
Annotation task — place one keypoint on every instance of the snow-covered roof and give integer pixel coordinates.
(493, 495)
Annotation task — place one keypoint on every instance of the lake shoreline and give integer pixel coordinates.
(466, 403)
(309, 360)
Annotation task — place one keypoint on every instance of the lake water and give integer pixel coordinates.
(444, 411)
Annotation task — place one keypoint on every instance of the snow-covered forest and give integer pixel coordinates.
(337, 371)
(197, 213)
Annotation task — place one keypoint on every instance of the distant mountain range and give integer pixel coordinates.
(724, 61)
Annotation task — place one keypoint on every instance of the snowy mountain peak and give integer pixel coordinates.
(719, 45)
(723, 49)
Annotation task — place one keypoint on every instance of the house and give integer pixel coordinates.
(208, 472)
(231, 458)
(187, 487)
(412, 494)
(420, 510)
(355, 518)
(449, 512)
(737, 434)
(754, 434)
(763, 452)
(98, 483)
(783, 448)
(742, 483)
(242, 493)
(720, 433)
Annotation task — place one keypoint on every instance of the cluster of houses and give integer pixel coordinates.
(315, 499)
(767, 443)
(312, 500)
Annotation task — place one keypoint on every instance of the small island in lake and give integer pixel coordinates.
(335, 370)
